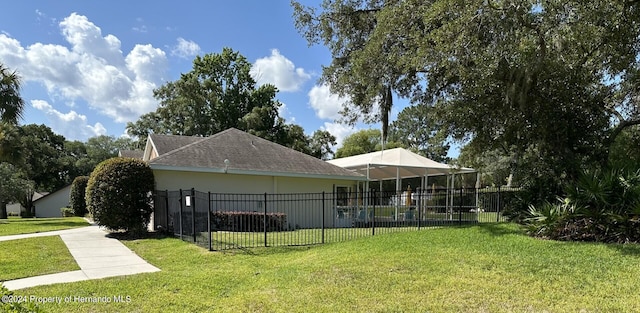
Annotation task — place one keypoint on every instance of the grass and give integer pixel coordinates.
(15, 226)
(223, 240)
(480, 268)
(34, 256)
(490, 217)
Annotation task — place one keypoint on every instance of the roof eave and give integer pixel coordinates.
(454, 170)
(252, 172)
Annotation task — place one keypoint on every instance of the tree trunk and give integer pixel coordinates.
(3, 210)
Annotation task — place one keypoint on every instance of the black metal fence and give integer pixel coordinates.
(226, 221)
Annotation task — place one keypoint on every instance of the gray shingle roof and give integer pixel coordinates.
(167, 143)
(136, 154)
(245, 152)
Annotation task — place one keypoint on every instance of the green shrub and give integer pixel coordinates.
(67, 212)
(119, 194)
(242, 221)
(602, 206)
(77, 195)
(546, 219)
(537, 192)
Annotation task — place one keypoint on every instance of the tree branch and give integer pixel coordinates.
(618, 129)
(493, 6)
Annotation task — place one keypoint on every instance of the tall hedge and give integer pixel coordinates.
(77, 195)
(119, 194)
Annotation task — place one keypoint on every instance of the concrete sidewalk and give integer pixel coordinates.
(97, 256)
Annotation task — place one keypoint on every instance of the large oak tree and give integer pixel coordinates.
(549, 83)
(219, 93)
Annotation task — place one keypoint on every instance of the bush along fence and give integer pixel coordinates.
(227, 221)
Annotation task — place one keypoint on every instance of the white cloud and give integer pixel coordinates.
(185, 49)
(71, 125)
(40, 16)
(93, 68)
(340, 131)
(326, 104)
(86, 38)
(142, 28)
(279, 71)
(284, 112)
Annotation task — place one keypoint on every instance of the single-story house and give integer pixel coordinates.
(236, 162)
(16, 208)
(50, 205)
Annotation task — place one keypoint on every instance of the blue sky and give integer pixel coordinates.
(89, 67)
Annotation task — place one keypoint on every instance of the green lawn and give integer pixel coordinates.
(480, 268)
(14, 226)
(34, 256)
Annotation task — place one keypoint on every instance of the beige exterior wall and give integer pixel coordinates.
(14, 208)
(213, 182)
(252, 184)
(50, 205)
(300, 214)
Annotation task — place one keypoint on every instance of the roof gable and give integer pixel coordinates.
(245, 153)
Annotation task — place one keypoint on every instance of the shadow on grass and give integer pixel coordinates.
(626, 249)
(500, 229)
(68, 224)
(266, 251)
(128, 236)
(254, 251)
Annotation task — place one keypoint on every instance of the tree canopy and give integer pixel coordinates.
(13, 186)
(11, 103)
(549, 83)
(42, 160)
(364, 141)
(417, 129)
(43, 151)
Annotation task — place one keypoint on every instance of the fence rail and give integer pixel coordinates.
(226, 221)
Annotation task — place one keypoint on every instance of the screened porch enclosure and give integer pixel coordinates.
(400, 164)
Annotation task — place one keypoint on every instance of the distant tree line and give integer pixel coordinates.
(37, 159)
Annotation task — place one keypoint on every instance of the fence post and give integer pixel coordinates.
(498, 210)
(166, 203)
(373, 220)
(265, 220)
(323, 207)
(477, 206)
(181, 205)
(460, 208)
(419, 205)
(209, 219)
(193, 214)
